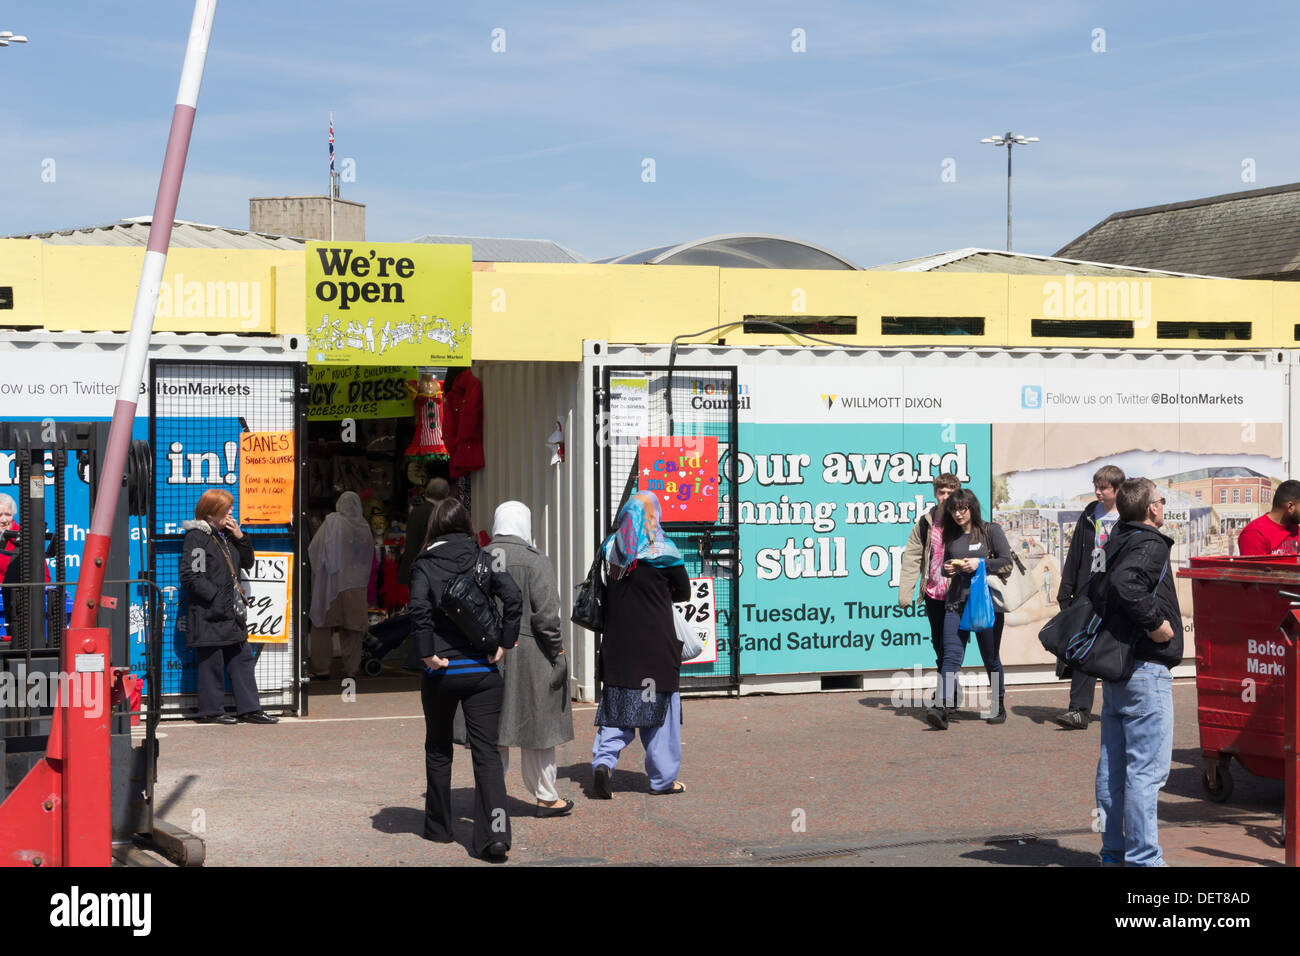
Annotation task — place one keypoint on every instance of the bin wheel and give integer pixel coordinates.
(1221, 789)
(373, 667)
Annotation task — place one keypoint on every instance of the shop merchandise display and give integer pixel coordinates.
(429, 416)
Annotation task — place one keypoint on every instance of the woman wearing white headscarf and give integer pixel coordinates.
(341, 554)
(535, 712)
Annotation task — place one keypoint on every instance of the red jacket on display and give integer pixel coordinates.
(462, 427)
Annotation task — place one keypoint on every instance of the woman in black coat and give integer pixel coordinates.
(456, 673)
(214, 551)
(640, 656)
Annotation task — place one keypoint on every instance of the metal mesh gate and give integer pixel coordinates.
(198, 412)
(635, 402)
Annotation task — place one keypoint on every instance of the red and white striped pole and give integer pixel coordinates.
(80, 742)
(91, 578)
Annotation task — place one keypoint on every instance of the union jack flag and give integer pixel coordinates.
(331, 147)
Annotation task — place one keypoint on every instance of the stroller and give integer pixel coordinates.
(383, 637)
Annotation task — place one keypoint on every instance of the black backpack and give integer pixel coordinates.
(468, 601)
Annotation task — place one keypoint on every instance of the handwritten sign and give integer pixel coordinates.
(266, 468)
(700, 612)
(683, 474)
(269, 583)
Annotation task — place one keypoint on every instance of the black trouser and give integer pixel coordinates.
(239, 659)
(934, 610)
(1083, 690)
(479, 697)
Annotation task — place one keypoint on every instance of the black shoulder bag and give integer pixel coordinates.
(589, 605)
(1077, 639)
(468, 601)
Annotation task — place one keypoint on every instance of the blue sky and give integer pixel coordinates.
(842, 145)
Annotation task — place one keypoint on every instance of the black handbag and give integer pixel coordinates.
(468, 601)
(1080, 642)
(589, 605)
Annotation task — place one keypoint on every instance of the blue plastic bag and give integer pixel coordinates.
(977, 615)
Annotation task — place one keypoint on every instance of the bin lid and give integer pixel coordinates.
(1259, 569)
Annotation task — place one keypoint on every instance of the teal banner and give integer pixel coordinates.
(825, 512)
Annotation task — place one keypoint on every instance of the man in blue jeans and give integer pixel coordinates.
(1137, 715)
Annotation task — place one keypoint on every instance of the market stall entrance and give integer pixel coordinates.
(219, 425)
(673, 431)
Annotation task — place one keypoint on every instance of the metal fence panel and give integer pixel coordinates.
(684, 402)
(198, 412)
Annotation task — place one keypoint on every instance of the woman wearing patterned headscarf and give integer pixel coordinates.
(640, 657)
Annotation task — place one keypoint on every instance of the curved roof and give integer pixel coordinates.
(739, 251)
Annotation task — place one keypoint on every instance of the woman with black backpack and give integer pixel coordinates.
(456, 672)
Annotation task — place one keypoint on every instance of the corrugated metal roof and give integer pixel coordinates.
(185, 235)
(490, 249)
(1013, 263)
(1254, 233)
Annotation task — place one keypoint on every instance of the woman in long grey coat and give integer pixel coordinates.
(535, 713)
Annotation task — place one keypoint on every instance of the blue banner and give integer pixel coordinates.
(825, 512)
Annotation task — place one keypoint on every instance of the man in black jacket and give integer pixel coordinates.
(417, 525)
(1137, 715)
(1090, 534)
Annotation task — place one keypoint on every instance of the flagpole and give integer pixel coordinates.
(331, 175)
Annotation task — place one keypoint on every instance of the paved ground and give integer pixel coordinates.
(870, 784)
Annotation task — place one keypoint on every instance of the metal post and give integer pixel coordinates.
(1008, 195)
(1290, 735)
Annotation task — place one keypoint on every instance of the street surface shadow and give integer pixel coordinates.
(411, 819)
(1249, 792)
(914, 711)
(1048, 715)
(394, 820)
(1225, 855)
(177, 792)
(1032, 853)
(625, 781)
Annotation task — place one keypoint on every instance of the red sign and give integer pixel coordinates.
(683, 474)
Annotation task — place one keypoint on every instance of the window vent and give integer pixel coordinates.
(1238, 331)
(1081, 328)
(810, 324)
(932, 325)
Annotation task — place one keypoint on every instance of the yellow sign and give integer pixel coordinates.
(388, 303)
(361, 391)
(266, 477)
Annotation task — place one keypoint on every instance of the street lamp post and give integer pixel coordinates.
(1008, 140)
(7, 37)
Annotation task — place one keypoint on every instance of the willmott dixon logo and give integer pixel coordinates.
(829, 400)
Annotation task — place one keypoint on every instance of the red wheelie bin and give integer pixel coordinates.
(1239, 605)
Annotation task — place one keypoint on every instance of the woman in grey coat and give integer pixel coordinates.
(535, 713)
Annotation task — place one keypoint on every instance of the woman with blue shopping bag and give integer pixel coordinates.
(973, 549)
